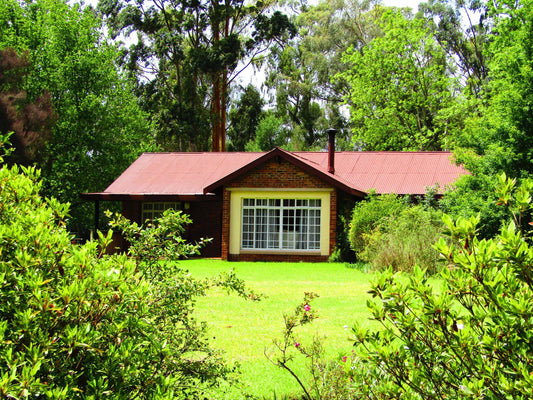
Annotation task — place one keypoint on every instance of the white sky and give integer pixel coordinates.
(403, 3)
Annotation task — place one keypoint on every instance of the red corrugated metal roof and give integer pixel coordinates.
(392, 172)
(177, 173)
(191, 173)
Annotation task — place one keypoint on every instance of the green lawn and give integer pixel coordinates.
(244, 329)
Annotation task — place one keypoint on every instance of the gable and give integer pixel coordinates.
(278, 173)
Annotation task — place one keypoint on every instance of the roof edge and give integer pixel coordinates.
(103, 196)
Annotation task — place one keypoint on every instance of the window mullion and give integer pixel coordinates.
(254, 228)
(280, 229)
(267, 220)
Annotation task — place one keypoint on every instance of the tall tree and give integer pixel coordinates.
(300, 74)
(462, 28)
(502, 132)
(401, 97)
(100, 128)
(245, 117)
(187, 57)
(498, 137)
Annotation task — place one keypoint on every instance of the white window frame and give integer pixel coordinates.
(154, 209)
(281, 224)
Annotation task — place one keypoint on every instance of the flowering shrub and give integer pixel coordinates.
(468, 339)
(329, 379)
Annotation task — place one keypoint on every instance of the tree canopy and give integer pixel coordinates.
(186, 57)
(400, 91)
(98, 127)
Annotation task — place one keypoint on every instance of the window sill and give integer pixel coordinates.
(280, 252)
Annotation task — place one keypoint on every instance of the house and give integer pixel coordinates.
(277, 205)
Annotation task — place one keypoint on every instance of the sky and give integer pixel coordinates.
(403, 3)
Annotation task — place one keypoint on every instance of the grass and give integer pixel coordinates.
(244, 329)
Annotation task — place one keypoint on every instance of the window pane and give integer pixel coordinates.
(274, 202)
(261, 229)
(247, 228)
(154, 210)
(273, 228)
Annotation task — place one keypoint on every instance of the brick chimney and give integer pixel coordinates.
(331, 150)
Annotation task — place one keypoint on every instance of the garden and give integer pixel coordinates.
(422, 299)
(132, 326)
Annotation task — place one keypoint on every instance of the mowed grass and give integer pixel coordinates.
(244, 330)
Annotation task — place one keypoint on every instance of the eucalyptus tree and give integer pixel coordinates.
(299, 75)
(462, 29)
(245, 117)
(186, 57)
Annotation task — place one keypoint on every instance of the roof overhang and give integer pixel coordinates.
(102, 196)
(287, 156)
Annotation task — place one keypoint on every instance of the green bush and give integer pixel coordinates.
(474, 194)
(386, 231)
(77, 324)
(468, 339)
(368, 214)
(402, 240)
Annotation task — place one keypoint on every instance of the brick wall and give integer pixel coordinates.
(276, 174)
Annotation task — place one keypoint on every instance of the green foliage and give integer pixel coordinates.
(78, 324)
(329, 379)
(245, 117)
(400, 240)
(300, 73)
(502, 132)
(99, 128)
(400, 96)
(462, 28)
(467, 339)
(186, 59)
(156, 240)
(269, 133)
(497, 138)
(474, 195)
(386, 231)
(367, 216)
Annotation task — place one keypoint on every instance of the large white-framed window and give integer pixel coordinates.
(281, 224)
(153, 210)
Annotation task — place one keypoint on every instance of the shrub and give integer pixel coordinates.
(469, 339)
(474, 194)
(77, 324)
(368, 214)
(402, 240)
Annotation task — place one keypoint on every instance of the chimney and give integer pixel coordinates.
(331, 150)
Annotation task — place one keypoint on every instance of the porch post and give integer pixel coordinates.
(96, 215)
